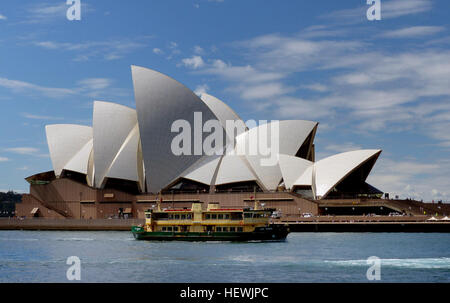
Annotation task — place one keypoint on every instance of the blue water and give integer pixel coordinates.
(40, 256)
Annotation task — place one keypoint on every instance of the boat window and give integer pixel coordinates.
(170, 217)
(164, 228)
(214, 216)
(236, 216)
(169, 228)
(188, 216)
(232, 229)
(227, 216)
(247, 215)
(240, 229)
(207, 216)
(175, 228)
(224, 228)
(218, 228)
(177, 217)
(220, 216)
(148, 216)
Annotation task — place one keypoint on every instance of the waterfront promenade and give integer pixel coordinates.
(68, 224)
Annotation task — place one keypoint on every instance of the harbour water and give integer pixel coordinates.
(40, 256)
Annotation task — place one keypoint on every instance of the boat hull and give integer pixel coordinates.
(271, 233)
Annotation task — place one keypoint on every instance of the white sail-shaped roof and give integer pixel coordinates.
(113, 124)
(289, 134)
(332, 170)
(233, 169)
(79, 162)
(126, 165)
(268, 175)
(296, 171)
(65, 141)
(223, 113)
(160, 101)
(203, 171)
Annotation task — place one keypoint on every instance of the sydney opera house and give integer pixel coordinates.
(125, 161)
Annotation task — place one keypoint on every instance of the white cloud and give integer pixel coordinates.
(201, 89)
(173, 50)
(157, 51)
(316, 87)
(238, 74)
(398, 8)
(23, 150)
(194, 62)
(108, 50)
(344, 147)
(4, 159)
(94, 83)
(199, 50)
(91, 87)
(412, 179)
(289, 54)
(40, 117)
(22, 86)
(298, 108)
(48, 12)
(413, 31)
(3, 17)
(262, 91)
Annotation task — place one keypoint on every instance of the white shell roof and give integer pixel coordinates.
(233, 169)
(79, 162)
(290, 135)
(66, 141)
(296, 171)
(269, 176)
(126, 165)
(112, 126)
(332, 170)
(160, 101)
(325, 174)
(223, 112)
(203, 171)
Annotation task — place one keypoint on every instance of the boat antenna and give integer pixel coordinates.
(254, 197)
(159, 198)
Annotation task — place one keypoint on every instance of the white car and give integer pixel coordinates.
(307, 215)
(276, 215)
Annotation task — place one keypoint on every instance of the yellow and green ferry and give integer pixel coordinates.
(213, 224)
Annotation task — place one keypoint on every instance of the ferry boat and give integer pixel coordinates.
(214, 224)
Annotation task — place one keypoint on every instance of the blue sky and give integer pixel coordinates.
(371, 84)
